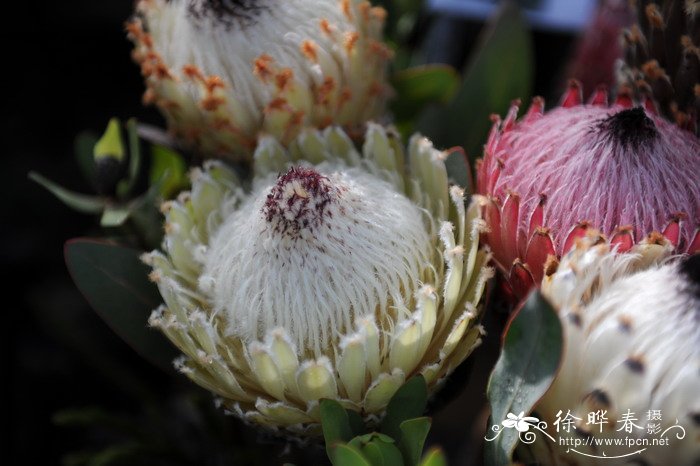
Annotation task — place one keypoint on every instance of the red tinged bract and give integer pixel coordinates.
(548, 178)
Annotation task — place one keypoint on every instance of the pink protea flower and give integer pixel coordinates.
(549, 177)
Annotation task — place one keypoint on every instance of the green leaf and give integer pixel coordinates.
(500, 70)
(76, 201)
(382, 452)
(413, 435)
(346, 455)
(434, 457)
(115, 283)
(126, 186)
(83, 149)
(378, 449)
(418, 86)
(360, 440)
(408, 402)
(335, 424)
(167, 167)
(528, 363)
(373, 454)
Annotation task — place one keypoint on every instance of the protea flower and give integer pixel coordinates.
(662, 58)
(549, 177)
(339, 278)
(631, 363)
(223, 72)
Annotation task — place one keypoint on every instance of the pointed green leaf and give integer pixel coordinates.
(434, 457)
(168, 167)
(499, 71)
(418, 86)
(360, 440)
(335, 424)
(373, 454)
(345, 455)
(76, 201)
(381, 452)
(413, 435)
(408, 402)
(126, 186)
(115, 283)
(526, 368)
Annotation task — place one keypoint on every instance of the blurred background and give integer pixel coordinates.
(78, 394)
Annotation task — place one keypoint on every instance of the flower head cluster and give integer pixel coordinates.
(632, 329)
(223, 72)
(334, 275)
(549, 177)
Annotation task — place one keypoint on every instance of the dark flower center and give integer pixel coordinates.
(630, 128)
(241, 13)
(300, 200)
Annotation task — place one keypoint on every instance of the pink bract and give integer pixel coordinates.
(620, 169)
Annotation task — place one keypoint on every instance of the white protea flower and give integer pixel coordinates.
(340, 278)
(631, 324)
(224, 71)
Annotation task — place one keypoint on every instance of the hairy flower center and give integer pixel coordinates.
(228, 12)
(314, 251)
(630, 128)
(299, 201)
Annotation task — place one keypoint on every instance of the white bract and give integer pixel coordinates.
(223, 72)
(334, 275)
(632, 347)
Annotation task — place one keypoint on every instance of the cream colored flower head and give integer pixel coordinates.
(224, 72)
(632, 350)
(336, 274)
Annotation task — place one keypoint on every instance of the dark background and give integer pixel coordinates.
(69, 69)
